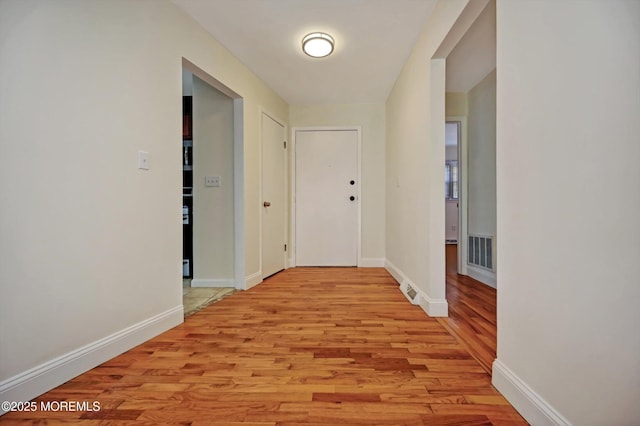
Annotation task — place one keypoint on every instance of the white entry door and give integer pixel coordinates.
(326, 198)
(274, 198)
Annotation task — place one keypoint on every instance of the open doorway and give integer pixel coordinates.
(470, 188)
(452, 190)
(211, 192)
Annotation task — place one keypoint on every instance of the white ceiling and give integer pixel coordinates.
(373, 41)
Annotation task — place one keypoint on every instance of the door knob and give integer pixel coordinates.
(352, 198)
(352, 182)
(266, 204)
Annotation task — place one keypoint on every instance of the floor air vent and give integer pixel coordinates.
(411, 292)
(481, 251)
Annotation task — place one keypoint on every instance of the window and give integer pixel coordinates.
(451, 180)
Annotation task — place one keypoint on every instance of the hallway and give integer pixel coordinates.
(307, 346)
(472, 312)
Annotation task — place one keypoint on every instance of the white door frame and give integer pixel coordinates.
(240, 281)
(284, 125)
(463, 198)
(292, 229)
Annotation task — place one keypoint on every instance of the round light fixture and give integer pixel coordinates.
(317, 45)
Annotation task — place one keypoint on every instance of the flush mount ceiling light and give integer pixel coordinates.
(317, 45)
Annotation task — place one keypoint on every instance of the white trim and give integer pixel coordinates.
(238, 193)
(238, 168)
(463, 163)
(292, 196)
(292, 222)
(435, 280)
(46, 376)
(403, 283)
(260, 187)
(213, 283)
(432, 307)
(394, 271)
(253, 280)
(529, 404)
(484, 276)
(371, 262)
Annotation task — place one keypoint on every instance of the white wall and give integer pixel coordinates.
(91, 246)
(456, 104)
(213, 212)
(482, 157)
(415, 158)
(481, 170)
(568, 102)
(371, 116)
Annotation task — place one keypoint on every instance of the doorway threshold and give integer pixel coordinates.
(197, 298)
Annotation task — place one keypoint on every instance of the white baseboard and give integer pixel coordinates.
(44, 377)
(253, 280)
(529, 404)
(215, 283)
(482, 275)
(394, 271)
(371, 262)
(432, 307)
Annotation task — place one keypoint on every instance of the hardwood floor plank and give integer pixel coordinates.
(472, 313)
(325, 346)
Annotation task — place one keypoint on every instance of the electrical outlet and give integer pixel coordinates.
(212, 181)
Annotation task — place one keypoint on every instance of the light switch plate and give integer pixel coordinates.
(143, 160)
(212, 181)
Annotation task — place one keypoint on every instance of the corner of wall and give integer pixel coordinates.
(252, 280)
(529, 404)
(485, 277)
(432, 307)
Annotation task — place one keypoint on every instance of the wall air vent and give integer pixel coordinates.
(481, 251)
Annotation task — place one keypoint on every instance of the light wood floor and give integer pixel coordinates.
(323, 346)
(472, 313)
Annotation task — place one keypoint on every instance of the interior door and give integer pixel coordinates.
(326, 197)
(273, 196)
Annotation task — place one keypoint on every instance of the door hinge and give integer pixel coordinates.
(285, 247)
(285, 144)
